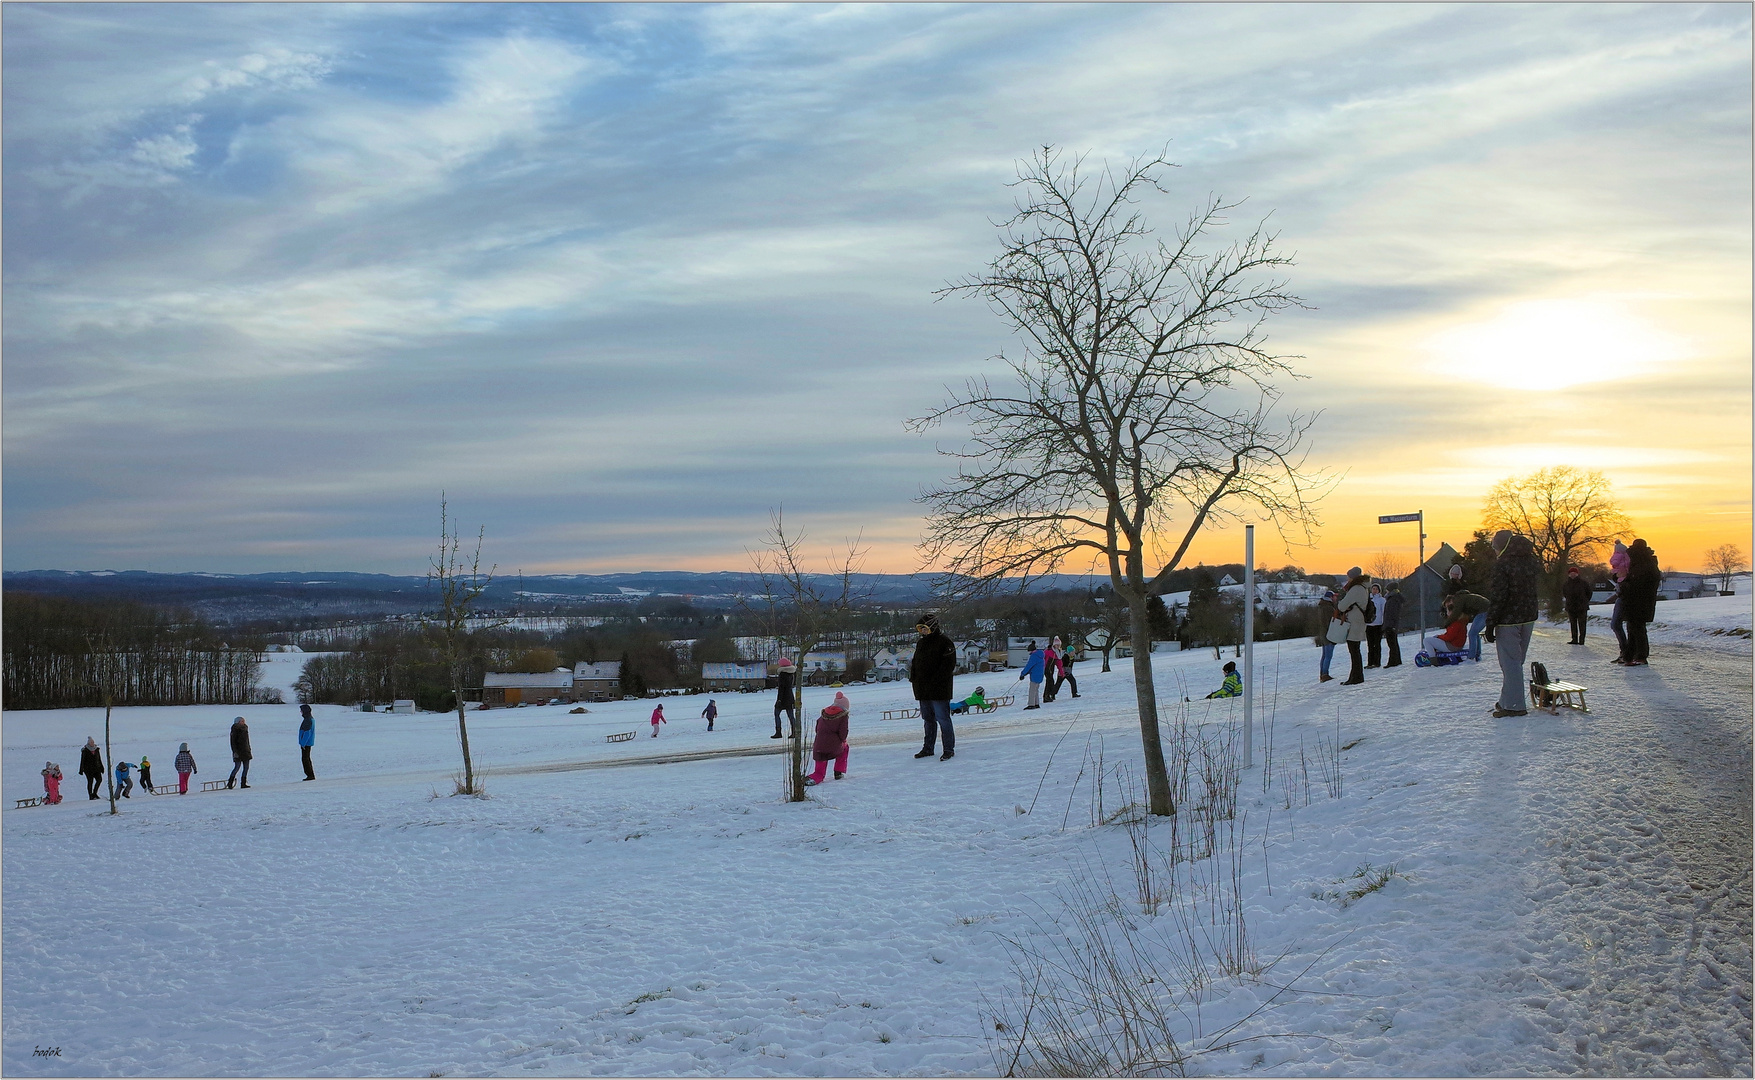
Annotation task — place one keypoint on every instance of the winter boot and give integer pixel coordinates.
(839, 775)
(947, 755)
(924, 753)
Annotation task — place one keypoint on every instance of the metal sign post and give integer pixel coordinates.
(1248, 643)
(1419, 516)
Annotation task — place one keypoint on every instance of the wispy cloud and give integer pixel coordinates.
(275, 274)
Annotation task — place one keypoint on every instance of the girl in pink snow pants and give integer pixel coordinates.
(831, 741)
(658, 718)
(51, 783)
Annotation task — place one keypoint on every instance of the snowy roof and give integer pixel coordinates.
(757, 670)
(603, 669)
(559, 679)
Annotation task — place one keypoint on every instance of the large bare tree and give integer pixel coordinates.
(1141, 408)
(1725, 562)
(1564, 511)
(800, 609)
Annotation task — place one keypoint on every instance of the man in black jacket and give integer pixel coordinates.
(1639, 595)
(1576, 594)
(1392, 614)
(935, 661)
(1511, 615)
(240, 736)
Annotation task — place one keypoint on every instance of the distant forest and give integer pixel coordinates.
(62, 653)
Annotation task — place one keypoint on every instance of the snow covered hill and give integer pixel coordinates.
(1539, 895)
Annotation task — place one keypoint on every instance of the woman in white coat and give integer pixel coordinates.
(1355, 598)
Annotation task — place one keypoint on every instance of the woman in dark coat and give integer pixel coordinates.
(1639, 600)
(91, 766)
(240, 752)
(784, 702)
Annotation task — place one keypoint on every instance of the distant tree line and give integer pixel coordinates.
(62, 653)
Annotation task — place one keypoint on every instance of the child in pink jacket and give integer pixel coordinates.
(831, 741)
(658, 718)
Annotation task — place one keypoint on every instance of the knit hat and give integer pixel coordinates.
(928, 620)
(784, 663)
(1355, 572)
(1230, 666)
(1572, 569)
(1456, 570)
(1500, 539)
(237, 720)
(185, 746)
(842, 702)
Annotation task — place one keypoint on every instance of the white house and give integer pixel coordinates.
(734, 676)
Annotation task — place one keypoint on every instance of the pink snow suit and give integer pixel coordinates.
(831, 741)
(658, 718)
(51, 783)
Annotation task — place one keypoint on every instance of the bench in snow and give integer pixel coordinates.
(620, 736)
(19, 804)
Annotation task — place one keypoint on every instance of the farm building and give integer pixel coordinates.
(526, 688)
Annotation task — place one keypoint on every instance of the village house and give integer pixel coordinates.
(601, 681)
(513, 688)
(752, 676)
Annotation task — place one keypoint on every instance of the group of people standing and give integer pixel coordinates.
(1505, 617)
(1366, 618)
(1048, 669)
(91, 763)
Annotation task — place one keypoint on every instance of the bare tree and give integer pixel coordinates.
(799, 609)
(1143, 393)
(1387, 566)
(1725, 562)
(459, 584)
(1564, 511)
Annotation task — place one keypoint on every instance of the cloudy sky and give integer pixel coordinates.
(621, 279)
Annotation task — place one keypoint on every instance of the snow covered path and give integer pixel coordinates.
(1572, 893)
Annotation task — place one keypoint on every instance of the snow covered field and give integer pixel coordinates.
(1571, 894)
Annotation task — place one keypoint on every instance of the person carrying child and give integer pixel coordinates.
(51, 783)
(146, 774)
(658, 718)
(185, 765)
(831, 741)
(1233, 684)
(124, 783)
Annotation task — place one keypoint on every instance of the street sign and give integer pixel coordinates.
(1390, 519)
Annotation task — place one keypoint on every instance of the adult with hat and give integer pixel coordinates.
(240, 736)
(1355, 599)
(784, 701)
(1511, 615)
(935, 662)
(91, 766)
(1575, 592)
(307, 739)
